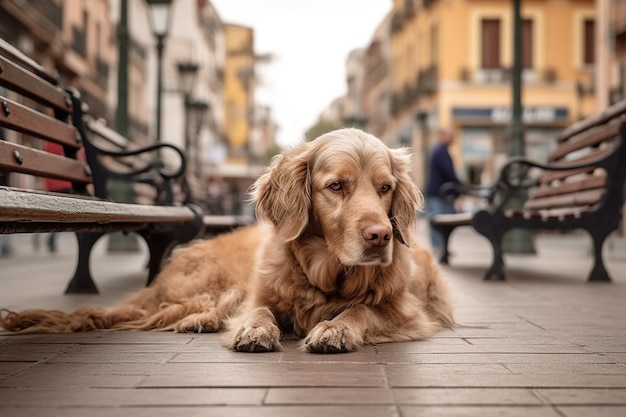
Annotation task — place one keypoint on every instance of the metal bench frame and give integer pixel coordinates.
(599, 219)
(162, 225)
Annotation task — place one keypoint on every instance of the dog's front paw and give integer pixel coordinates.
(257, 339)
(328, 337)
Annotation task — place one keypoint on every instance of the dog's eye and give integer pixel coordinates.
(385, 188)
(335, 186)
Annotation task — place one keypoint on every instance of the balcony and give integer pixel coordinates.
(497, 76)
(79, 41)
(49, 10)
(102, 72)
(397, 21)
(427, 80)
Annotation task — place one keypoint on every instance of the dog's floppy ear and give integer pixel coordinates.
(407, 198)
(283, 195)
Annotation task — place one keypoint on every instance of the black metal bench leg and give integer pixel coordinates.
(598, 272)
(446, 231)
(496, 270)
(484, 224)
(159, 247)
(82, 282)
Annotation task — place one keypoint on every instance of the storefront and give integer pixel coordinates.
(484, 137)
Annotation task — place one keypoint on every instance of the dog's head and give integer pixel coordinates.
(346, 186)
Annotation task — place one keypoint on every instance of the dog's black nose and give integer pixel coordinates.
(377, 235)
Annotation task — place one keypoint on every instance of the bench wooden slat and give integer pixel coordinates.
(40, 163)
(29, 85)
(588, 139)
(32, 122)
(583, 198)
(15, 55)
(614, 111)
(550, 176)
(102, 131)
(22, 205)
(587, 183)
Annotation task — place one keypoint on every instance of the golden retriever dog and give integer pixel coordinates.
(333, 262)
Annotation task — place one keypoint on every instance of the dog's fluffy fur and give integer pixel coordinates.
(333, 262)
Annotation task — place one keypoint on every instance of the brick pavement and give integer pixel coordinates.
(551, 345)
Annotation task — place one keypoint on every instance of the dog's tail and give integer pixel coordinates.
(137, 307)
(56, 321)
(145, 311)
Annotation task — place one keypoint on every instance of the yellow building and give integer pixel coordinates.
(451, 66)
(617, 27)
(238, 90)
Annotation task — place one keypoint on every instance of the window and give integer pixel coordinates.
(434, 44)
(527, 44)
(589, 38)
(490, 42)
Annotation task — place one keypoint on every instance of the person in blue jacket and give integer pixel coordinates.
(440, 171)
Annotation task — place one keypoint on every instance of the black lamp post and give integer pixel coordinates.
(187, 72)
(517, 240)
(159, 11)
(198, 111)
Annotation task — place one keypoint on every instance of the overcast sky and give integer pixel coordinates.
(310, 41)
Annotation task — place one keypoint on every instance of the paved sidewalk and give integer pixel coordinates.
(552, 345)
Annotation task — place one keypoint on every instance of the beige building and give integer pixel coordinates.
(66, 36)
(612, 45)
(239, 77)
(376, 80)
(451, 66)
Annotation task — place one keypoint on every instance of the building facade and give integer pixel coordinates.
(451, 64)
(239, 80)
(69, 37)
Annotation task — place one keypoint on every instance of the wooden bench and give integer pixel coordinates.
(133, 168)
(39, 111)
(580, 187)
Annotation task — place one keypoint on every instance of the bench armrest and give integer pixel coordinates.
(453, 189)
(151, 171)
(515, 173)
(153, 165)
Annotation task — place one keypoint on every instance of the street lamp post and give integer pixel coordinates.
(198, 111)
(159, 11)
(518, 241)
(187, 72)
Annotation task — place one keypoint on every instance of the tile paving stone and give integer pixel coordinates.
(461, 411)
(410, 379)
(486, 358)
(338, 396)
(231, 411)
(617, 357)
(113, 356)
(549, 344)
(466, 396)
(272, 375)
(31, 378)
(10, 368)
(595, 411)
(568, 368)
(589, 396)
(125, 397)
(494, 348)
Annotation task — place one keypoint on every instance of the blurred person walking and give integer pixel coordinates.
(440, 171)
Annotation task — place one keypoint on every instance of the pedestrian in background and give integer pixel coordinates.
(440, 171)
